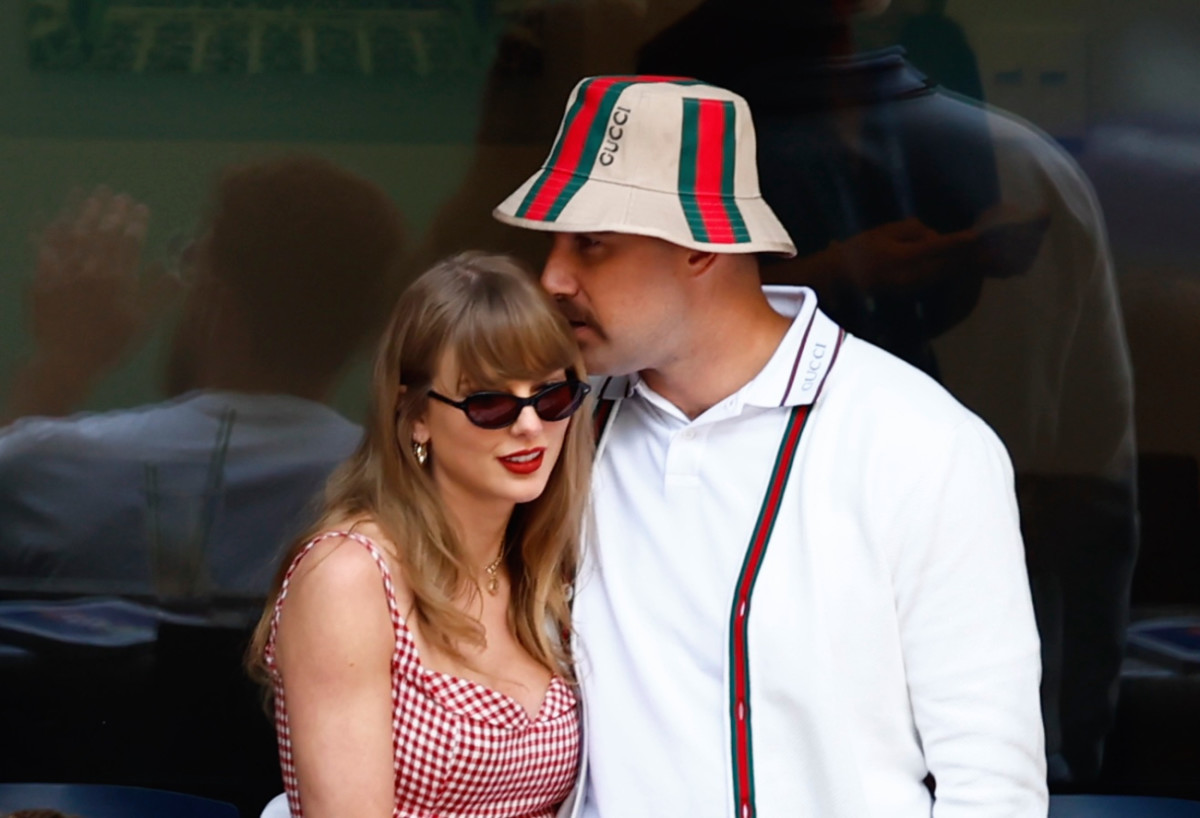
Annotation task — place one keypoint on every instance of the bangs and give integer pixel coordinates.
(503, 337)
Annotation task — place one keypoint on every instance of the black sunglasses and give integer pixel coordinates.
(496, 410)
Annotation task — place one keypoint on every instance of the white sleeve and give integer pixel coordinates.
(967, 630)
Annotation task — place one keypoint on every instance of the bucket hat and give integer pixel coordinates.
(667, 157)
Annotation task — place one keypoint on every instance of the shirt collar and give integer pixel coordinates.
(794, 374)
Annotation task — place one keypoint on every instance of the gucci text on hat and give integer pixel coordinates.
(666, 157)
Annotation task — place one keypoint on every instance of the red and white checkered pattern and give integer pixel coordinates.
(461, 750)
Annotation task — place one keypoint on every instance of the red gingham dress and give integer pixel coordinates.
(462, 750)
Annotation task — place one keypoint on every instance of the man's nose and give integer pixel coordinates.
(557, 277)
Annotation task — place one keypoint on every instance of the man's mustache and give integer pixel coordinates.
(573, 313)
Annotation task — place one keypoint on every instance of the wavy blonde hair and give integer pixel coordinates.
(498, 325)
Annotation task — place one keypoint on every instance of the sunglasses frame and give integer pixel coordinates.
(579, 388)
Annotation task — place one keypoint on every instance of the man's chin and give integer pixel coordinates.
(597, 353)
(598, 364)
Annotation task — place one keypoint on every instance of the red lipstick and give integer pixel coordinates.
(523, 462)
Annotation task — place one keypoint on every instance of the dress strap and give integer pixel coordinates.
(405, 657)
(404, 661)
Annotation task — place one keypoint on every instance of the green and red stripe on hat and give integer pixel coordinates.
(665, 157)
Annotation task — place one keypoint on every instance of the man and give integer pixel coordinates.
(806, 593)
(958, 238)
(293, 266)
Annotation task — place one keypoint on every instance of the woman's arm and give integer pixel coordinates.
(334, 650)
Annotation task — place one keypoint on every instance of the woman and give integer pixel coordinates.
(412, 640)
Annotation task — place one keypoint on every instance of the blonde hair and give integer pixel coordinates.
(499, 326)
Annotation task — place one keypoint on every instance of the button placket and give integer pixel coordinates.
(686, 452)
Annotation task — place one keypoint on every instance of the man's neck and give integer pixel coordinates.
(724, 356)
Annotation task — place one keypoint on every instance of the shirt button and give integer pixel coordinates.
(688, 434)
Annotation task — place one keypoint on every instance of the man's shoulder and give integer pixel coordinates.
(880, 417)
(873, 386)
(1022, 148)
(1019, 146)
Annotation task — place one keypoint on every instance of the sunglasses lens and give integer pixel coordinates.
(558, 402)
(495, 410)
(492, 410)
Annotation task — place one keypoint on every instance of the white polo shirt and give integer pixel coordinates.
(890, 629)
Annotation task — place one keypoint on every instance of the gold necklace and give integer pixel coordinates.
(492, 570)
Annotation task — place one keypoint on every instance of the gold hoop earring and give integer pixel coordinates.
(421, 451)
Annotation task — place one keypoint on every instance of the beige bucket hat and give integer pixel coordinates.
(654, 156)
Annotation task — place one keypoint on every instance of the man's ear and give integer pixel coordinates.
(699, 262)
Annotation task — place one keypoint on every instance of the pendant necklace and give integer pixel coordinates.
(493, 572)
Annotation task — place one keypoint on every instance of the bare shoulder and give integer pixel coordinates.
(341, 567)
(334, 616)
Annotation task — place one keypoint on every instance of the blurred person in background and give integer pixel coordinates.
(284, 282)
